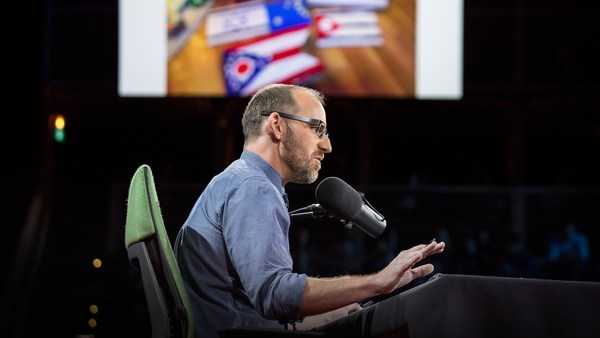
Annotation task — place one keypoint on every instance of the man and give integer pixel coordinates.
(233, 250)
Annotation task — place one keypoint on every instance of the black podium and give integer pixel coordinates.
(459, 306)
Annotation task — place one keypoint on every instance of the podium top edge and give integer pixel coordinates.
(443, 276)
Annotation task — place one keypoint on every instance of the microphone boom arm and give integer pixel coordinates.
(316, 211)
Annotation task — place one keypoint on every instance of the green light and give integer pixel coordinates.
(59, 135)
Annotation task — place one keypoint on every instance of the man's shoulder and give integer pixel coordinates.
(237, 174)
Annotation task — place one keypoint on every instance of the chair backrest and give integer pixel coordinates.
(149, 248)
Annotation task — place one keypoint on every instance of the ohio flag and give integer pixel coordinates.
(277, 58)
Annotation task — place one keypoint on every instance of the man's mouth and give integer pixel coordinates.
(318, 161)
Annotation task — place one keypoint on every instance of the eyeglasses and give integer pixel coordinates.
(317, 125)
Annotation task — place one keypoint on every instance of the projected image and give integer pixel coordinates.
(341, 47)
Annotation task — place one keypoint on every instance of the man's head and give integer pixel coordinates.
(293, 119)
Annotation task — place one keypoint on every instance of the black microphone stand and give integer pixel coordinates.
(316, 211)
(313, 210)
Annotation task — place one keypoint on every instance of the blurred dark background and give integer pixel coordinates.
(508, 175)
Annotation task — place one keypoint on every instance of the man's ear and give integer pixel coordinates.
(275, 127)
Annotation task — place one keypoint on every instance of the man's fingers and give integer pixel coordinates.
(417, 253)
(426, 249)
(416, 247)
(410, 261)
(433, 248)
(439, 247)
(422, 270)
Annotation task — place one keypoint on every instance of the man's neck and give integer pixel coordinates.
(268, 151)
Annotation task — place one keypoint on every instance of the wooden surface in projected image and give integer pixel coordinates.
(387, 70)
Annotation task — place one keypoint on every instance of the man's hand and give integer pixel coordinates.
(326, 294)
(401, 271)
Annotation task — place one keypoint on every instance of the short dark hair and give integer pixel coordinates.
(275, 97)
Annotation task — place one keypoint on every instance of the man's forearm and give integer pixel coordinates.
(326, 294)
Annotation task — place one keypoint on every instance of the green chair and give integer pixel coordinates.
(149, 248)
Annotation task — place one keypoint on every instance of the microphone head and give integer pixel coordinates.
(339, 197)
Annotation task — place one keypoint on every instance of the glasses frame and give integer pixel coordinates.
(317, 125)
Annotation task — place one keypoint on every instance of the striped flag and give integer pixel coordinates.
(365, 4)
(277, 58)
(253, 19)
(348, 29)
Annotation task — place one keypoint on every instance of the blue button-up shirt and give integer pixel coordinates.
(233, 251)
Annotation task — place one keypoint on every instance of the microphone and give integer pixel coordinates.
(337, 196)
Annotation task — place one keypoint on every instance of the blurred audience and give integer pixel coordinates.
(479, 250)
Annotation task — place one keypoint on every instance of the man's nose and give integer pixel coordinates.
(325, 144)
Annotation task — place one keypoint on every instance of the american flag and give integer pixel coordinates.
(254, 19)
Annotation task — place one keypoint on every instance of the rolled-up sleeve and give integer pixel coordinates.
(255, 228)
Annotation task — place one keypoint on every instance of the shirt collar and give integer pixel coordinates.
(257, 161)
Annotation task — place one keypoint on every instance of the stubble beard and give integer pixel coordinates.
(301, 170)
